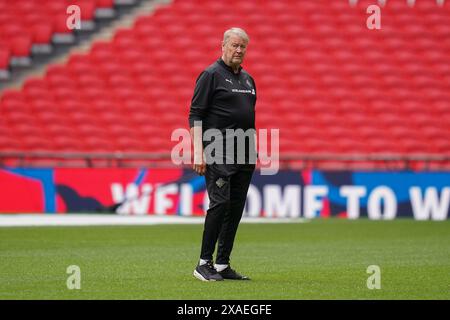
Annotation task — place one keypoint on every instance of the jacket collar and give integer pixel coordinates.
(223, 64)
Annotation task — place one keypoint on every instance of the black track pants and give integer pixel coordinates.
(227, 191)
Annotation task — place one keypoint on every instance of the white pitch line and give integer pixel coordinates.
(24, 220)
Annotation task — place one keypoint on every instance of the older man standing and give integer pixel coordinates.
(224, 99)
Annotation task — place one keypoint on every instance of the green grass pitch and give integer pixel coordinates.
(321, 259)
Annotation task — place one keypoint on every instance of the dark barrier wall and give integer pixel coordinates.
(309, 194)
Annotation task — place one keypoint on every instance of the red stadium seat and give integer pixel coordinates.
(105, 3)
(4, 57)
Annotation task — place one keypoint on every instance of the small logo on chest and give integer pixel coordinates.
(229, 80)
(220, 182)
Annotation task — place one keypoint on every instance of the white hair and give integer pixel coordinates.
(235, 31)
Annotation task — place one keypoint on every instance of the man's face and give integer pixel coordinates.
(234, 49)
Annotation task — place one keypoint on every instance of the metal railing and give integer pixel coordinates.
(286, 160)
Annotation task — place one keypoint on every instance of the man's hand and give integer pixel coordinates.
(199, 167)
(199, 161)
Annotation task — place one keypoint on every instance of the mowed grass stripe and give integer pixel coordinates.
(323, 259)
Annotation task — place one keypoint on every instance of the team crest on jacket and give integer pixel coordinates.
(220, 182)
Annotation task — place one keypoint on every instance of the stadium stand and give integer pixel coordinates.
(30, 26)
(342, 96)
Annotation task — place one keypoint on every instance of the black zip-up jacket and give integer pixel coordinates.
(224, 100)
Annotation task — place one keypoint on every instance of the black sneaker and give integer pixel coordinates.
(231, 274)
(207, 272)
